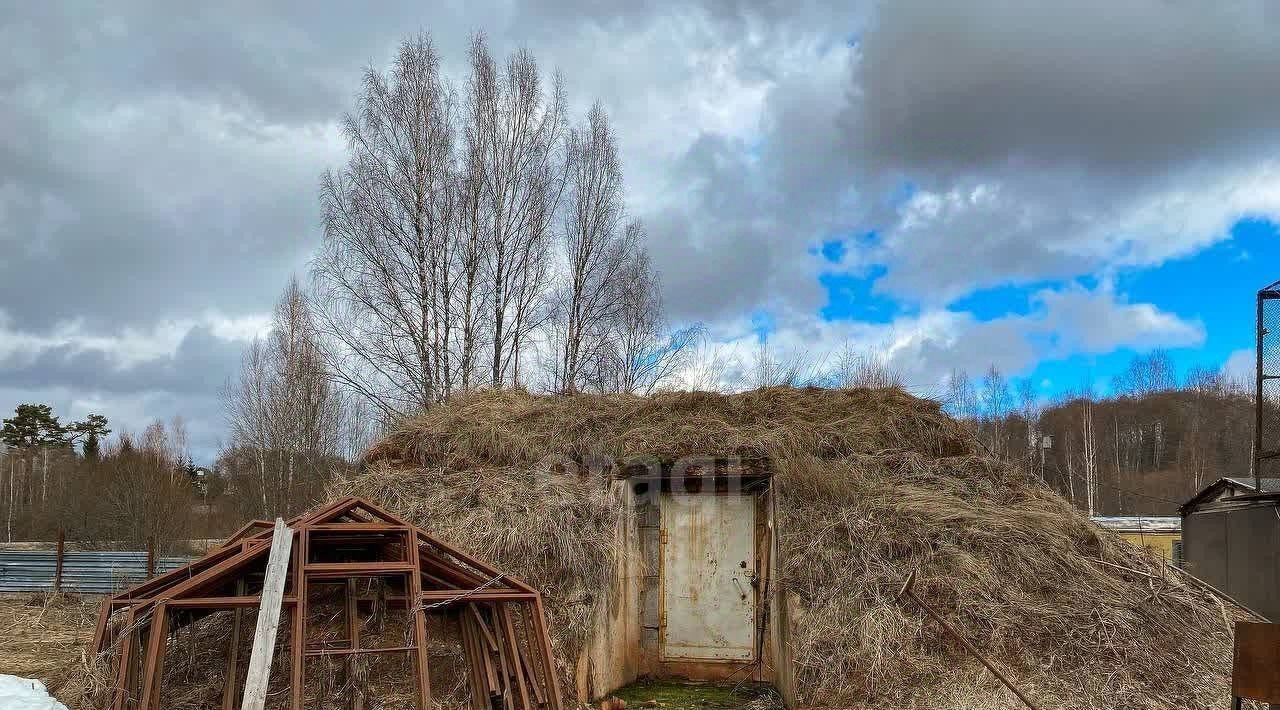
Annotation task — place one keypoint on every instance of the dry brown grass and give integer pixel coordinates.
(43, 636)
(873, 484)
(1008, 562)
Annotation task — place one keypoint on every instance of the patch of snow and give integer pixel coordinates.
(25, 694)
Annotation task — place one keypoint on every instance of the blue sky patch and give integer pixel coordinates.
(1009, 300)
(833, 250)
(850, 297)
(1216, 286)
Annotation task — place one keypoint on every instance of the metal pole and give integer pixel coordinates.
(909, 592)
(57, 567)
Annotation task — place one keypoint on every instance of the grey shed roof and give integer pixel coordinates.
(1269, 485)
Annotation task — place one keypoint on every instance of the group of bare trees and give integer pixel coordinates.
(477, 237)
(1146, 447)
(288, 426)
(114, 494)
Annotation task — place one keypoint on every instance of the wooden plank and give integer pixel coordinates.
(479, 693)
(549, 659)
(264, 636)
(510, 652)
(231, 682)
(522, 662)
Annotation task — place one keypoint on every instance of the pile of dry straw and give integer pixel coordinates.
(873, 484)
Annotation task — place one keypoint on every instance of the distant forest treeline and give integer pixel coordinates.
(1145, 448)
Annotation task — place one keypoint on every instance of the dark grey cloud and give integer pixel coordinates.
(1116, 87)
(1049, 140)
(198, 367)
(159, 162)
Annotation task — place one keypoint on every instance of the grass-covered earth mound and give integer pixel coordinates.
(872, 484)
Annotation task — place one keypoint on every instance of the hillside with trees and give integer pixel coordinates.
(1144, 448)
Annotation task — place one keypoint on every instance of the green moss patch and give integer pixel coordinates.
(670, 695)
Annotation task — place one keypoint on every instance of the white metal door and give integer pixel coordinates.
(708, 563)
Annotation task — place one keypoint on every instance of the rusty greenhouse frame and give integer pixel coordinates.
(500, 620)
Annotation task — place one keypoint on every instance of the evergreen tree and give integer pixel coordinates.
(35, 425)
(32, 425)
(92, 448)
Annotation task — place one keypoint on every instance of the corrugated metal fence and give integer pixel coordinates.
(82, 572)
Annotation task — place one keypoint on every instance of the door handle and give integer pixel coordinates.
(738, 584)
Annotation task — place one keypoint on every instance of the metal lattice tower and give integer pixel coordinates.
(1266, 431)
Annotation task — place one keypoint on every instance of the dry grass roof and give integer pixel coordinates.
(511, 428)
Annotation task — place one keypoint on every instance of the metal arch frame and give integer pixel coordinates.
(517, 670)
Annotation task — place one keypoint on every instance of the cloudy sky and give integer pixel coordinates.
(1050, 187)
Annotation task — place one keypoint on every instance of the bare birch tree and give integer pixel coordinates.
(1089, 445)
(962, 399)
(641, 352)
(382, 278)
(514, 128)
(596, 246)
(287, 423)
(441, 268)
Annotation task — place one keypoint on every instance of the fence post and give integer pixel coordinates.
(151, 556)
(57, 565)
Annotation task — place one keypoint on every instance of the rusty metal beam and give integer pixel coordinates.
(479, 566)
(548, 658)
(152, 670)
(176, 576)
(421, 667)
(357, 651)
(342, 570)
(485, 596)
(297, 652)
(231, 683)
(122, 685)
